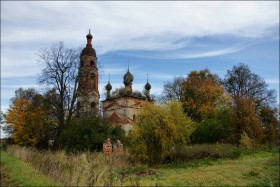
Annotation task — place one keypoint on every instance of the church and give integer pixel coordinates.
(119, 109)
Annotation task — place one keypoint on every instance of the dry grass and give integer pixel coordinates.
(84, 169)
(257, 168)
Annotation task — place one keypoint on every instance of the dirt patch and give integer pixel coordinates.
(147, 172)
(4, 178)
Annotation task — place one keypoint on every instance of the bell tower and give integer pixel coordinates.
(87, 92)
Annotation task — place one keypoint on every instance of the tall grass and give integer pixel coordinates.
(200, 151)
(84, 169)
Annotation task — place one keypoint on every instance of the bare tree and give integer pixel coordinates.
(60, 71)
(172, 89)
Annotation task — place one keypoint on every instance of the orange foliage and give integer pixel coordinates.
(202, 94)
(26, 121)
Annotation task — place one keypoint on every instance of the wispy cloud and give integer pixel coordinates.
(272, 81)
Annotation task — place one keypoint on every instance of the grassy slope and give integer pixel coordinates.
(260, 169)
(22, 174)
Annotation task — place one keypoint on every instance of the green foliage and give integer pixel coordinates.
(270, 123)
(210, 131)
(118, 92)
(89, 134)
(214, 129)
(157, 130)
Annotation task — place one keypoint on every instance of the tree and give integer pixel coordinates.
(28, 122)
(215, 129)
(270, 122)
(202, 94)
(159, 129)
(60, 70)
(172, 90)
(118, 92)
(88, 135)
(249, 93)
(240, 82)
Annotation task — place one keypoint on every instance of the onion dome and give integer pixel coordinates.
(89, 50)
(147, 86)
(89, 36)
(108, 86)
(128, 78)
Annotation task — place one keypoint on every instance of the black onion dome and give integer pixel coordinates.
(148, 86)
(128, 78)
(89, 36)
(89, 51)
(108, 86)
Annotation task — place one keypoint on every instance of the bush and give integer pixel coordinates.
(88, 134)
(157, 130)
(214, 129)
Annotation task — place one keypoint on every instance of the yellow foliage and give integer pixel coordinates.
(157, 130)
(245, 141)
(26, 121)
(202, 94)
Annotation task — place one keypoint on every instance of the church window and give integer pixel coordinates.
(92, 106)
(82, 63)
(134, 117)
(91, 63)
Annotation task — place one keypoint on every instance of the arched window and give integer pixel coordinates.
(82, 63)
(91, 63)
(92, 106)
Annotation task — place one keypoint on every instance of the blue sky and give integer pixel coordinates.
(162, 39)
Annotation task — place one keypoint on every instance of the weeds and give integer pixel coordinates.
(88, 169)
(200, 151)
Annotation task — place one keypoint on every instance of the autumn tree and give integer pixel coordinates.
(27, 119)
(202, 94)
(60, 70)
(157, 130)
(249, 93)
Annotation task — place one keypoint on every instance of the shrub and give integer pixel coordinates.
(88, 134)
(245, 141)
(158, 129)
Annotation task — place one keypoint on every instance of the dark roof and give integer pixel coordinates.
(89, 51)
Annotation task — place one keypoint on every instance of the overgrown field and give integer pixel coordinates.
(199, 165)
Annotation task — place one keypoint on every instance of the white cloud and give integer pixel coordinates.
(134, 25)
(272, 81)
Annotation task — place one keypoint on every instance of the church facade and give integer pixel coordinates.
(119, 110)
(123, 108)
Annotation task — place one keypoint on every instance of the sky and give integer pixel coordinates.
(161, 38)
